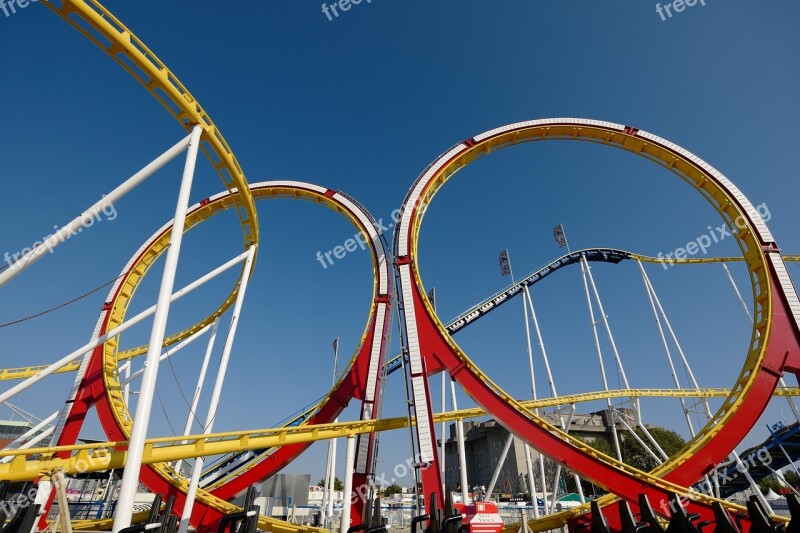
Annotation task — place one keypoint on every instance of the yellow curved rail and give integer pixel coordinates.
(714, 187)
(156, 246)
(102, 456)
(101, 27)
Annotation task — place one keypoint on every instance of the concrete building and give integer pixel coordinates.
(12, 429)
(484, 442)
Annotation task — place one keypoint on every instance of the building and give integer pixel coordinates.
(484, 442)
(10, 430)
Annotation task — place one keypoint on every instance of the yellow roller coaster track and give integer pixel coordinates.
(98, 25)
(721, 194)
(102, 456)
(138, 268)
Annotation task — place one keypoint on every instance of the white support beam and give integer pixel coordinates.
(94, 211)
(349, 468)
(141, 420)
(201, 379)
(197, 470)
(13, 391)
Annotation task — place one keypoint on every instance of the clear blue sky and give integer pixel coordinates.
(363, 103)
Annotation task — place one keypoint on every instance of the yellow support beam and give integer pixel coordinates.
(107, 455)
(100, 26)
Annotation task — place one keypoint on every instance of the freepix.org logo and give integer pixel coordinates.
(334, 9)
(677, 6)
(9, 7)
(87, 221)
(714, 236)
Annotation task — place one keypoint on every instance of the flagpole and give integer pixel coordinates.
(331, 470)
(564, 232)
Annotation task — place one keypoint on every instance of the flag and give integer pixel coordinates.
(432, 298)
(561, 237)
(336, 344)
(505, 264)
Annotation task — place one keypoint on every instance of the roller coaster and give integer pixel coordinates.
(203, 499)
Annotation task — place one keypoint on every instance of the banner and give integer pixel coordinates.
(561, 237)
(505, 264)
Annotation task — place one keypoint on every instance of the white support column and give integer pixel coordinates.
(94, 211)
(130, 477)
(659, 313)
(531, 481)
(442, 453)
(665, 345)
(544, 484)
(530, 349)
(197, 470)
(654, 442)
(782, 479)
(713, 482)
(349, 468)
(553, 392)
(125, 371)
(462, 452)
(201, 379)
(323, 508)
(612, 416)
(550, 379)
(330, 480)
(604, 318)
(533, 387)
(578, 484)
(785, 454)
(738, 294)
(499, 467)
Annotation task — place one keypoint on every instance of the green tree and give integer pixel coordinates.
(636, 456)
(791, 478)
(633, 453)
(394, 488)
(337, 483)
(769, 482)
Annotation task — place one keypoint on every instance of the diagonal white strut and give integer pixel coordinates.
(94, 211)
(133, 461)
(584, 267)
(554, 393)
(116, 331)
(197, 470)
(201, 379)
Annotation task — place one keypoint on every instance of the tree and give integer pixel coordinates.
(394, 488)
(769, 482)
(337, 483)
(636, 456)
(633, 454)
(791, 478)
